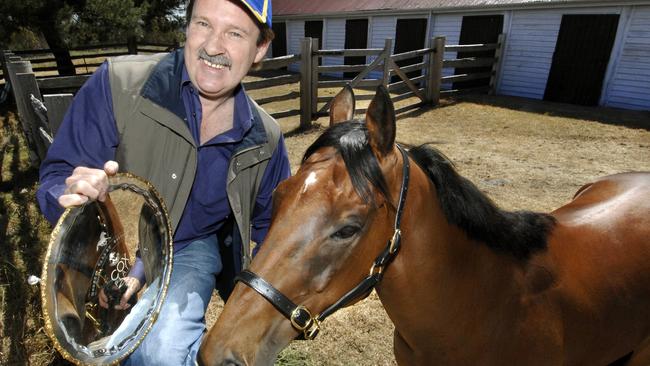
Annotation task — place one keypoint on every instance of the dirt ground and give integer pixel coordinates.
(524, 154)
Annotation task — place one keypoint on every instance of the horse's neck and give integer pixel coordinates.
(442, 283)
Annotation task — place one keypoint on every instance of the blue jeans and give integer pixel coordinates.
(176, 336)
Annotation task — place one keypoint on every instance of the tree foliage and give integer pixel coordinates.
(103, 21)
(69, 23)
(164, 19)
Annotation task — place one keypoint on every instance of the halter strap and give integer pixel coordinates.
(300, 317)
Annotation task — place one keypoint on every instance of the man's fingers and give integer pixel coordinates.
(71, 200)
(94, 180)
(89, 182)
(111, 167)
(85, 188)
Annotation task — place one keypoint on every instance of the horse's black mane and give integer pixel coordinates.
(350, 139)
(519, 233)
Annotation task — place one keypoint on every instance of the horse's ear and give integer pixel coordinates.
(342, 108)
(380, 121)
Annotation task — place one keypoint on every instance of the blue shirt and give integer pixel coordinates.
(88, 137)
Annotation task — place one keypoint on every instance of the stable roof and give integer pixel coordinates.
(330, 7)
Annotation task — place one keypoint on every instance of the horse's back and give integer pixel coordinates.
(608, 219)
(621, 199)
(599, 253)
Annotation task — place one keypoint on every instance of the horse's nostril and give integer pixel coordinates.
(232, 362)
(232, 359)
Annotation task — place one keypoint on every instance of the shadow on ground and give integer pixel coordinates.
(611, 116)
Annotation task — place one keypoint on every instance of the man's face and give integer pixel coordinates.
(221, 46)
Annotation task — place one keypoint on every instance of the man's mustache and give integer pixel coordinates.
(220, 60)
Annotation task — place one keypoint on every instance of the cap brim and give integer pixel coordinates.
(261, 9)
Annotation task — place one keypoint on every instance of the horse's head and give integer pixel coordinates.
(330, 222)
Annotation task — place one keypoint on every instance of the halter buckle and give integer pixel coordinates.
(302, 320)
(313, 330)
(394, 242)
(376, 270)
(298, 320)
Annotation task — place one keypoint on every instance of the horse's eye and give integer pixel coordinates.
(345, 232)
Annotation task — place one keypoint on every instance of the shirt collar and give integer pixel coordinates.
(243, 116)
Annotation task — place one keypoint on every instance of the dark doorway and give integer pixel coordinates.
(356, 36)
(410, 35)
(314, 29)
(582, 52)
(475, 30)
(279, 44)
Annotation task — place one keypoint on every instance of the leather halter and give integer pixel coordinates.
(300, 317)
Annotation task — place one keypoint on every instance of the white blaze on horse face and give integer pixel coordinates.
(311, 179)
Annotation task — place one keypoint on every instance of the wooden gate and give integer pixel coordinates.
(426, 63)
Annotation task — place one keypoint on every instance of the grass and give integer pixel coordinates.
(294, 357)
(23, 234)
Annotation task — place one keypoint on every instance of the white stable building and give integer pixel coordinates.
(575, 51)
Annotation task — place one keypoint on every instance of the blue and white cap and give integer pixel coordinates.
(261, 9)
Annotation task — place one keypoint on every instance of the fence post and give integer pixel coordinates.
(132, 45)
(26, 89)
(430, 71)
(23, 104)
(305, 83)
(434, 71)
(388, 47)
(314, 77)
(497, 64)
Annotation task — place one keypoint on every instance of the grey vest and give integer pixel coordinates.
(157, 145)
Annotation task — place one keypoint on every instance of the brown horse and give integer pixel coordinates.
(467, 283)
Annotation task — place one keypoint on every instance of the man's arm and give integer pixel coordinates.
(80, 159)
(87, 138)
(277, 171)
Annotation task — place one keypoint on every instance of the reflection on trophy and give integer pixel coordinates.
(91, 251)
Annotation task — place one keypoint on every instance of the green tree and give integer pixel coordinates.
(42, 17)
(164, 19)
(65, 23)
(103, 21)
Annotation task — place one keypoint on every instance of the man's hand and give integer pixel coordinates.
(87, 184)
(133, 285)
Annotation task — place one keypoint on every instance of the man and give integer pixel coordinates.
(183, 122)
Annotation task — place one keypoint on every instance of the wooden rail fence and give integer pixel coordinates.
(427, 63)
(42, 100)
(87, 58)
